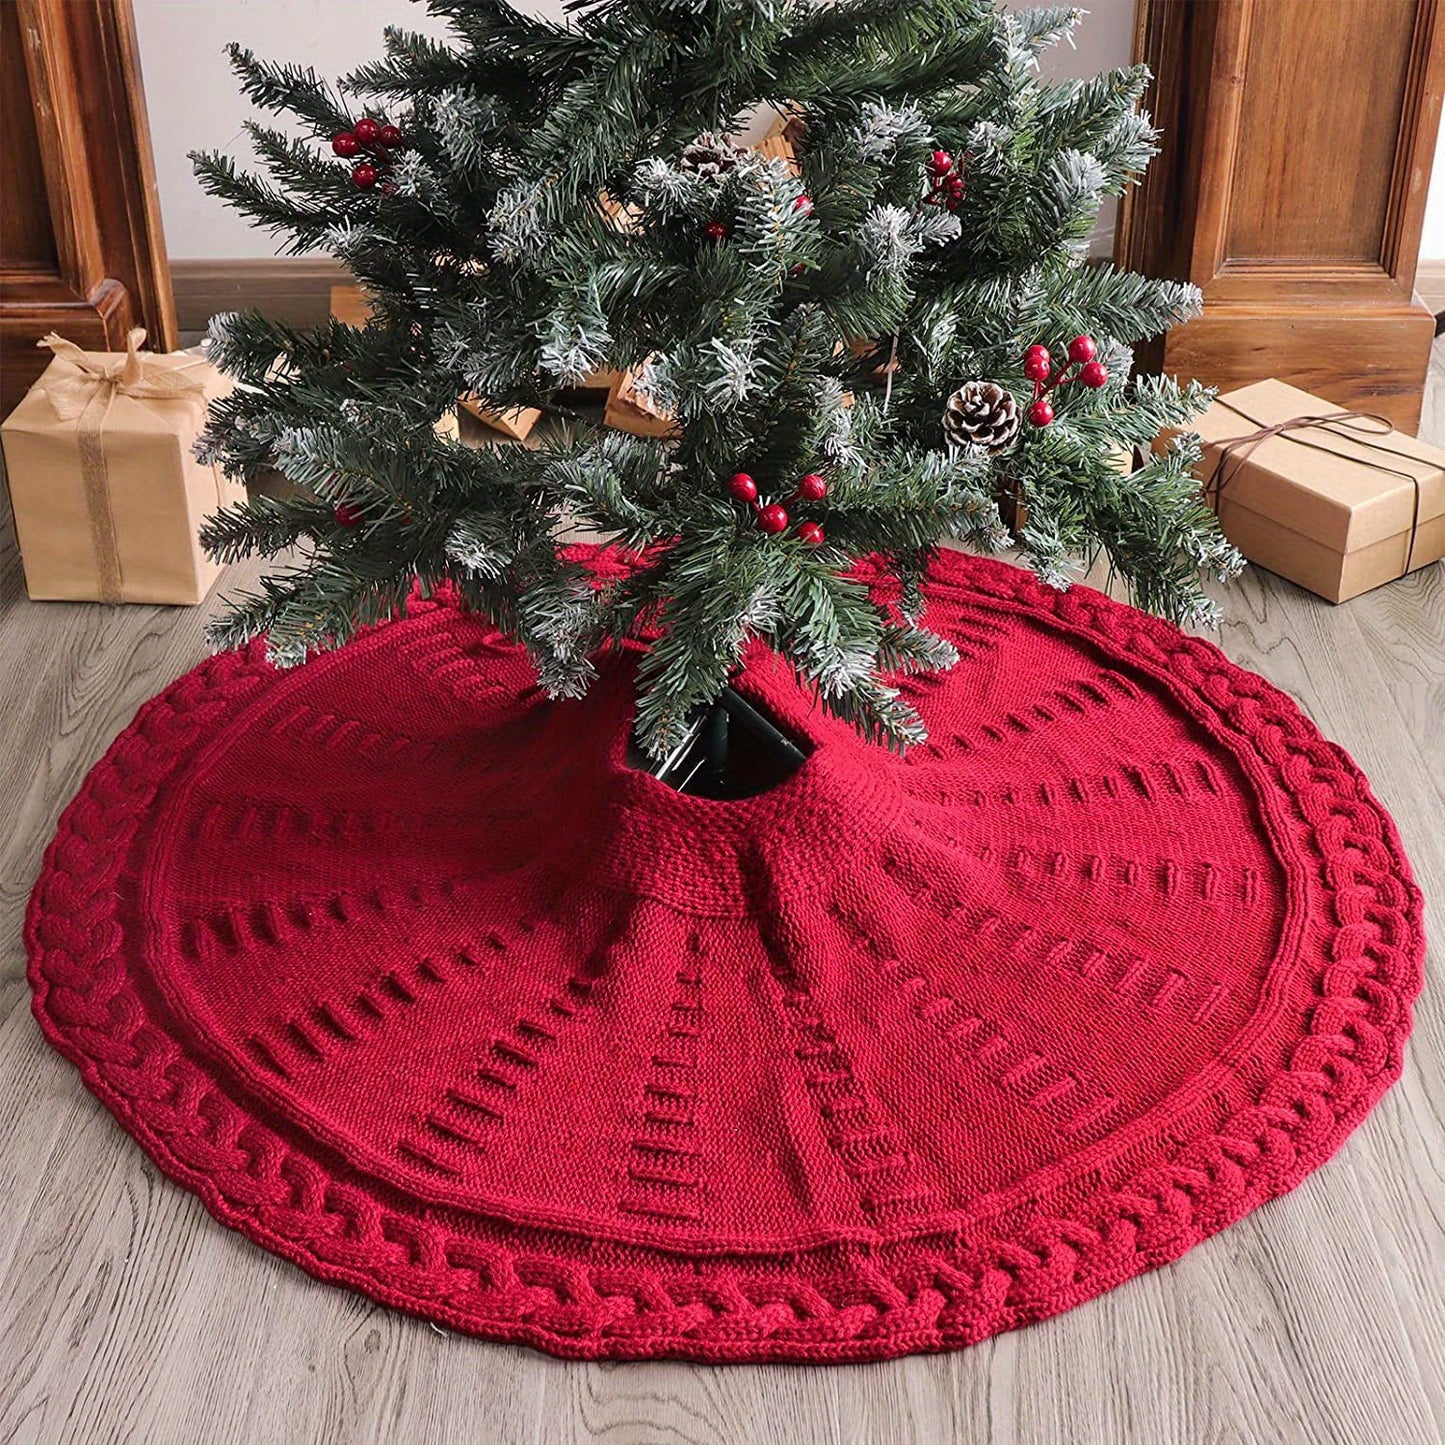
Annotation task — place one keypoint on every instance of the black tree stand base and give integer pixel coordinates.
(731, 751)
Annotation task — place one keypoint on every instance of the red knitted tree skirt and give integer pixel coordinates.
(415, 981)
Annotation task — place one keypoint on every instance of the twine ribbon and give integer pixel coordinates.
(85, 389)
(1234, 452)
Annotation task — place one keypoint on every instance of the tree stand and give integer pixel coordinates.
(732, 751)
(419, 982)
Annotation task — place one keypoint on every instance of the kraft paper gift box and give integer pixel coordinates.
(108, 498)
(1336, 501)
(629, 409)
(515, 423)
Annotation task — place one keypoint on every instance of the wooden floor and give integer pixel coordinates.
(126, 1313)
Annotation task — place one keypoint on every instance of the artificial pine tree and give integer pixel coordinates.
(427, 987)
(855, 348)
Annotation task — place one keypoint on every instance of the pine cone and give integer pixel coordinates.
(983, 414)
(711, 157)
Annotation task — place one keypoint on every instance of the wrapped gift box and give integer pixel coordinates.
(629, 409)
(515, 423)
(107, 495)
(1337, 505)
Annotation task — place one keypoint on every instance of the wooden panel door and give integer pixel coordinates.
(81, 249)
(1298, 140)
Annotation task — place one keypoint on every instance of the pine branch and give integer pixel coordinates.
(261, 527)
(264, 204)
(550, 214)
(295, 89)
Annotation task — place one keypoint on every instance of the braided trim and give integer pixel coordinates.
(529, 1287)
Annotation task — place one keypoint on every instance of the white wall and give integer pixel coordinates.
(1104, 39)
(194, 103)
(1432, 237)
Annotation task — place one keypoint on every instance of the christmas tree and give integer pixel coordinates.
(855, 346)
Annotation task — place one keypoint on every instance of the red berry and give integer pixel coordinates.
(391, 137)
(811, 533)
(346, 515)
(1037, 363)
(773, 518)
(940, 162)
(954, 185)
(714, 230)
(804, 204)
(364, 175)
(345, 144)
(812, 488)
(1082, 348)
(367, 130)
(1041, 413)
(742, 488)
(1093, 374)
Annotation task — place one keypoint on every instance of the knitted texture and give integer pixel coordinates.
(417, 982)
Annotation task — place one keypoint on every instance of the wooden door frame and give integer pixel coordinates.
(1177, 221)
(110, 270)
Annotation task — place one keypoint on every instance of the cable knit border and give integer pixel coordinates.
(523, 1286)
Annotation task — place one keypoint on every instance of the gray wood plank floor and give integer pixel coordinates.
(128, 1314)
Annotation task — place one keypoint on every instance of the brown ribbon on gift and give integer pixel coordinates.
(1238, 449)
(85, 388)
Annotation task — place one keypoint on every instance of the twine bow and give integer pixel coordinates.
(84, 388)
(1235, 451)
(71, 389)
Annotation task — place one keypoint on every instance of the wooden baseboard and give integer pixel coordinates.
(293, 290)
(1364, 358)
(1430, 283)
